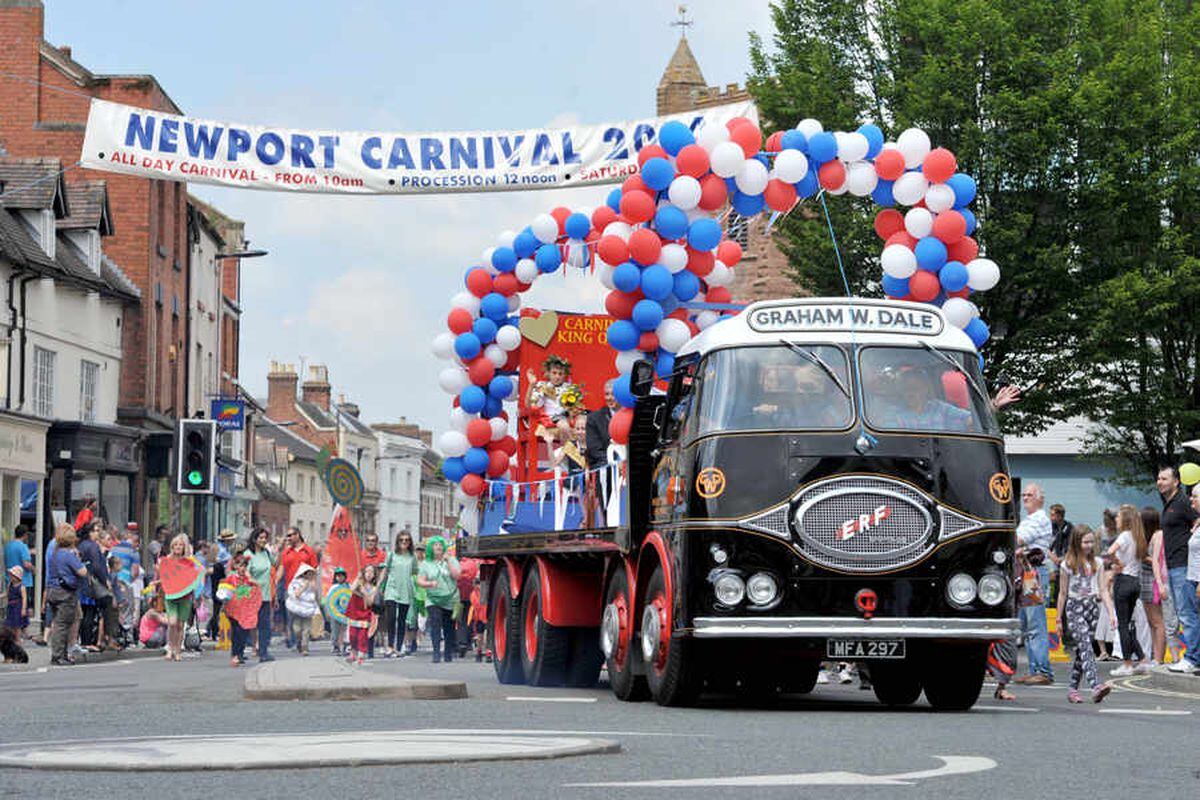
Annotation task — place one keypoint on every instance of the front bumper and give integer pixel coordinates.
(877, 628)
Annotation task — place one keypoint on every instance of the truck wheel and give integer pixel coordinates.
(586, 658)
(617, 640)
(502, 630)
(959, 671)
(544, 647)
(895, 683)
(799, 678)
(671, 671)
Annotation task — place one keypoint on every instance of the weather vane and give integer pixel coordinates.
(683, 23)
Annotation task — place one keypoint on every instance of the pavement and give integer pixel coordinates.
(326, 679)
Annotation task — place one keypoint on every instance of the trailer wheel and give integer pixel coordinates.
(671, 669)
(586, 658)
(503, 638)
(959, 670)
(617, 640)
(544, 647)
(896, 683)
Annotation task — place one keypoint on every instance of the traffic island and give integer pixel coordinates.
(320, 679)
(1163, 680)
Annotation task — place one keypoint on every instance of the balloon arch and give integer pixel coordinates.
(657, 244)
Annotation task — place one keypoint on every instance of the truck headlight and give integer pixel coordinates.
(729, 589)
(993, 589)
(761, 589)
(961, 589)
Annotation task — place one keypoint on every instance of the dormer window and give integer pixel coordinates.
(41, 221)
(88, 242)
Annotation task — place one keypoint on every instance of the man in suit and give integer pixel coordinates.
(597, 429)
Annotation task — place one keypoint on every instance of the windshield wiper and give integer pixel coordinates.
(959, 368)
(817, 360)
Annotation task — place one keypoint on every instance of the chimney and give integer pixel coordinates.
(281, 391)
(349, 408)
(65, 49)
(316, 389)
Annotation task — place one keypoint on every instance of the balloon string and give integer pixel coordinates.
(837, 251)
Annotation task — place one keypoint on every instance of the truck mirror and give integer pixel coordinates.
(641, 378)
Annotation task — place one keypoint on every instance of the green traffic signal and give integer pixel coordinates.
(195, 477)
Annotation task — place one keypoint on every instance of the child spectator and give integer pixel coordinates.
(358, 612)
(17, 616)
(302, 605)
(337, 628)
(152, 630)
(1081, 587)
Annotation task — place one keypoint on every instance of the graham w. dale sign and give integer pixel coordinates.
(846, 316)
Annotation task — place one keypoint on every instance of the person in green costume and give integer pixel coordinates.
(438, 575)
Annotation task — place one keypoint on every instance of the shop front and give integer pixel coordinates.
(22, 476)
(87, 460)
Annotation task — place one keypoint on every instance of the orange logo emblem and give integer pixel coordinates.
(1000, 487)
(710, 482)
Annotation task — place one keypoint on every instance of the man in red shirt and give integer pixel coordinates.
(295, 552)
(372, 553)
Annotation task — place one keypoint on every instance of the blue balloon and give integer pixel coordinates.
(622, 392)
(763, 159)
(623, 335)
(882, 194)
(895, 287)
(931, 254)
(627, 277)
(977, 329)
(657, 282)
(476, 460)
(472, 399)
(671, 222)
(578, 226)
(614, 200)
(504, 259)
(485, 329)
(674, 136)
(494, 306)
(664, 364)
(500, 387)
(953, 276)
(747, 204)
(808, 185)
(964, 188)
(874, 138)
(657, 173)
(453, 469)
(980, 362)
(647, 315)
(704, 234)
(467, 345)
(823, 147)
(525, 244)
(492, 407)
(669, 303)
(794, 140)
(687, 285)
(548, 258)
(969, 216)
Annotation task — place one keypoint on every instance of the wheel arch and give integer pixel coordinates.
(570, 597)
(654, 553)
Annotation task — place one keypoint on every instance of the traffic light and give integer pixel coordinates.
(196, 444)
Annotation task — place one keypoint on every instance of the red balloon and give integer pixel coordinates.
(775, 142)
(508, 444)
(560, 215)
(964, 293)
(651, 151)
(964, 250)
(888, 222)
(949, 226)
(459, 320)
(612, 250)
(939, 165)
(479, 282)
(779, 195)
(924, 286)
(719, 294)
(602, 217)
(481, 371)
(644, 246)
(729, 252)
(832, 174)
(479, 432)
(713, 192)
(472, 485)
(619, 425)
(634, 183)
(692, 160)
(513, 364)
(507, 284)
(736, 121)
(700, 262)
(889, 165)
(679, 314)
(637, 206)
(901, 237)
(748, 137)
(620, 304)
(497, 463)
(648, 342)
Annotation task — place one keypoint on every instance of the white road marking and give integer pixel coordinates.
(951, 765)
(43, 669)
(543, 732)
(1157, 712)
(534, 699)
(1007, 708)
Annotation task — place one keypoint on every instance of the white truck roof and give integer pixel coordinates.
(832, 320)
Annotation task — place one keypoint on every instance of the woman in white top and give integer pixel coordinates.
(1128, 552)
(1081, 588)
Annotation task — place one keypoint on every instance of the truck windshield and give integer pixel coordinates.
(773, 388)
(906, 388)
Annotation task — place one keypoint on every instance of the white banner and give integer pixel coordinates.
(140, 141)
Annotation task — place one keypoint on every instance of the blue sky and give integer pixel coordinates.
(362, 283)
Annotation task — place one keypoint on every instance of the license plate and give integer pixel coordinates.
(864, 648)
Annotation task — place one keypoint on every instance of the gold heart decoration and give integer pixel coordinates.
(540, 330)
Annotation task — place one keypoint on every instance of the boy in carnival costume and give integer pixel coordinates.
(550, 400)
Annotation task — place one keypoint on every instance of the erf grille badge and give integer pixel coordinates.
(862, 523)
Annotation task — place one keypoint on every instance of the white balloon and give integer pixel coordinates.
(853, 147)
(684, 192)
(514, 304)
(453, 380)
(845, 187)
(861, 178)
(712, 134)
(508, 337)
(982, 274)
(619, 229)
(939, 197)
(486, 257)
(914, 146)
(727, 159)
(753, 176)
(674, 257)
(974, 309)
(465, 300)
(526, 270)
(443, 345)
(809, 127)
(625, 360)
(957, 311)
(706, 318)
(604, 274)
(459, 419)
(495, 354)
(506, 238)
(672, 334)
(909, 188)
(918, 222)
(453, 443)
(720, 275)
(791, 166)
(499, 428)
(545, 228)
(898, 261)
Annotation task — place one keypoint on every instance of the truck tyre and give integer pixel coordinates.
(618, 641)
(586, 658)
(959, 670)
(544, 647)
(671, 669)
(502, 632)
(799, 678)
(896, 683)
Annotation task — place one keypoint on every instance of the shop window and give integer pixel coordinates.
(43, 382)
(89, 373)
